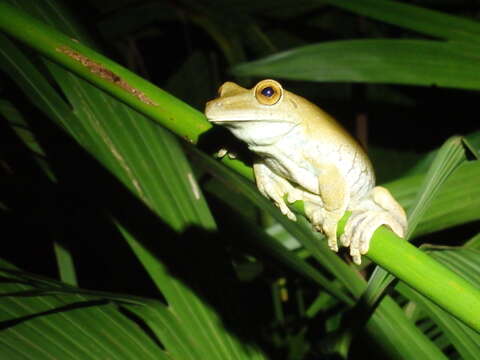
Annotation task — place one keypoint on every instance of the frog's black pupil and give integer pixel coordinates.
(268, 91)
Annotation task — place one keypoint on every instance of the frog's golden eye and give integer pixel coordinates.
(268, 92)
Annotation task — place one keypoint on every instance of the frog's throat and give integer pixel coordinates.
(268, 141)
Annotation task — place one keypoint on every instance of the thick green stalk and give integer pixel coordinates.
(424, 274)
(399, 257)
(104, 73)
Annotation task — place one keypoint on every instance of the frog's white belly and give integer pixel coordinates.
(357, 172)
(293, 166)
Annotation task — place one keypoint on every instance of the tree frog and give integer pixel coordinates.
(304, 154)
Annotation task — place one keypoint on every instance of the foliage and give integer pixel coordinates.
(213, 271)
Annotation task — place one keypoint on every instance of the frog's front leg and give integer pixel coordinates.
(275, 187)
(376, 209)
(333, 191)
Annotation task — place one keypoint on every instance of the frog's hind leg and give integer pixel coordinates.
(334, 198)
(376, 209)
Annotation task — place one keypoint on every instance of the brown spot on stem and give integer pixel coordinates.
(102, 72)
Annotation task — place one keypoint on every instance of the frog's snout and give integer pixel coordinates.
(207, 107)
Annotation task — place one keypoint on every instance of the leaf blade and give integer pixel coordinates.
(412, 62)
(416, 18)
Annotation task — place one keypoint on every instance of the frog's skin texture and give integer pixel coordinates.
(304, 154)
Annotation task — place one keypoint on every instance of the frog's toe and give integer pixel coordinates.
(286, 211)
(365, 230)
(396, 227)
(290, 215)
(356, 257)
(332, 243)
(364, 233)
(358, 232)
(361, 227)
(316, 217)
(294, 195)
(221, 153)
(330, 231)
(352, 224)
(344, 240)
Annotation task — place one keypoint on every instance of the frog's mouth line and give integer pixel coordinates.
(219, 120)
(270, 135)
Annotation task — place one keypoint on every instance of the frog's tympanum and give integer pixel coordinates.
(304, 154)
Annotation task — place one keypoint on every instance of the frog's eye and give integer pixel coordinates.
(268, 92)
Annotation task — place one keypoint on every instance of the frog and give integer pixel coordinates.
(303, 154)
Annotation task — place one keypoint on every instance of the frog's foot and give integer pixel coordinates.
(360, 228)
(292, 195)
(222, 152)
(275, 188)
(276, 194)
(324, 221)
(379, 208)
(284, 209)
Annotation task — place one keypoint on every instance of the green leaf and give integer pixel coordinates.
(273, 247)
(416, 18)
(474, 242)
(466, 263)
(414, 62)
(66, 267)
(456, 203)
(21, 128)
(69, 51)
(46, 320)
(448, 158)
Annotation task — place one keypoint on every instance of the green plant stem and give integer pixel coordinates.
(104, 73)
(399, 257)
(424, 274)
